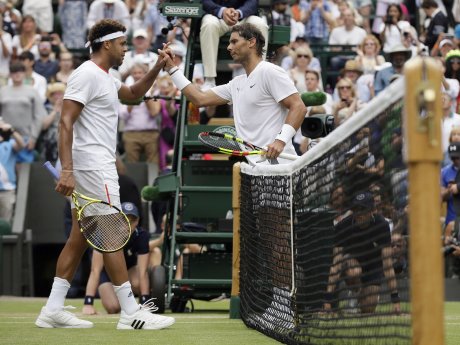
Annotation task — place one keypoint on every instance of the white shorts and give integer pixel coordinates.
(93, 184)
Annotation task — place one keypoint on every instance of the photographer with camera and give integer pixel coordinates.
(10, 143)
(392, 28)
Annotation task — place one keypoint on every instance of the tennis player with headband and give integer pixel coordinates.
(87, 145)
(267, 107)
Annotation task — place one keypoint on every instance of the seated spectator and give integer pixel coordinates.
(410, 41)
(364, 85)
(449, 120)
(397, 57)
(392, 28)
(302, 60)
(347, 34)
(45, 65)
(280, 16)
(318, 20)
(22, 107)
(32, 78)
(108, 9)
(50, 126)
(154, 22)
(136, 254)
(450, 191)
(141, 124)
(454, 137)
(73, 16)
(66, 67)
(10, 143)
(288, 61)
(348, 102)
(452, 72)
(42, 11)
(5, 55)
(11, 17)
(342, 7)
(139, 54)
(27, 39)
(313, 84)
(364, 8)
(435, 23)
(219, 18)
(368, 55)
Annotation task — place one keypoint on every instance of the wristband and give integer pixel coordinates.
(89, 300)
(286, 134)
(143, 298)
(173, 70)
(179, 80)
(395, 297)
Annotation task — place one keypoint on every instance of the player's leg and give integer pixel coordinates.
(53, 314)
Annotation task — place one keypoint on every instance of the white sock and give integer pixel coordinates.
(57, 294)
(126, 298)
(210, 80)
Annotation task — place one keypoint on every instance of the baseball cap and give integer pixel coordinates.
(454, 150)
(140, 33)
(363, 200)
(446, 41)
(130, 208)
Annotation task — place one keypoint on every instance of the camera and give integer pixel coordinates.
(317, 126)
(169, 27)
(450, 247)
(6, 133)
(389, 20)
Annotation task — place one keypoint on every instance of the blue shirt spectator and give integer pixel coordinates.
(450, 183)
(316, 16)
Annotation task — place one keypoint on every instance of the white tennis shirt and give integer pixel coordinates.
(95, 131)
(258, 114)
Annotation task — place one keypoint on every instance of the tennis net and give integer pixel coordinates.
(323, 241)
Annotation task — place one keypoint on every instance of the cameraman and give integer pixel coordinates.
(10, 143)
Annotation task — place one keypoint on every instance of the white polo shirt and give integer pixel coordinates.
(258, 114)
(95, 131)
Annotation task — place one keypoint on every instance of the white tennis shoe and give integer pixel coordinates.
(61, 319)
(144, 319)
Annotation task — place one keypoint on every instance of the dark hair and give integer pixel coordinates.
(26, 55)
(17, 66)
(398, 8)
(429, 4)
(102, 28)
(248, 31)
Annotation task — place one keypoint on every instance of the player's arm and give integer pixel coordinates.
(334, 275)
(69, 114)
(390, 276)
(295, 116)
(97, 262)
(142, 268)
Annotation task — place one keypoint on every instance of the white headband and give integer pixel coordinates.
(108, 37)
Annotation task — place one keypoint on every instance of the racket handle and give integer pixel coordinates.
(288, 156)
(52, 170)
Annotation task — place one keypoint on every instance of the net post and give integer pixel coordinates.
(422, 132)
(235, 293)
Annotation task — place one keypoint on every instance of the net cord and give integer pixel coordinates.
(376, 106)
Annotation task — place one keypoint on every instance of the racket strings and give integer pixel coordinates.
(225, 143)
(107, 231)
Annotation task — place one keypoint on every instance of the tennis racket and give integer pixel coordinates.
(104, 226)
(230, 145)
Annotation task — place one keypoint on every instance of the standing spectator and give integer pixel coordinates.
(50, 125)
(139, 54)
(317, 18)
(108, 9)
(450, 191)
(219, 18)
(46, 66)
(449, 120)
(32, 78)
(397, 57)
(154, 21)
(11, 17)
(141, 124)
(65, 67)
(42, 11)
(10, 143)
(27, 39)
(368, 55)
(280, 16)
(22, 107)
(364, 8)
(392, 28)
(73, 15)
(452, 76)
(347, 34)
(5, 54)
(435, 23)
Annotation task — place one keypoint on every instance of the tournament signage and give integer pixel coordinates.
(189, 10)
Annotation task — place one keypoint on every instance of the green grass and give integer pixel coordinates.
(209, 324)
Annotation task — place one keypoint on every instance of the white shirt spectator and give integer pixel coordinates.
(7, 42)
(341, 36)
(116, 10)
(39, 83)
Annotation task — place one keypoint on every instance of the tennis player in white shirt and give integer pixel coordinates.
(267, 107)
(87, 145)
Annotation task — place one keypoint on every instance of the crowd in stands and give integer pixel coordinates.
(43, 41)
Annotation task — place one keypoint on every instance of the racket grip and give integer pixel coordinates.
(288, 156)
(52, 170)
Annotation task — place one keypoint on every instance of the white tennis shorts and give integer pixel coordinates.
(98, 184)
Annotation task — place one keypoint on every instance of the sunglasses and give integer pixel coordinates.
(303, 56)
(344, 87)
(455, 61)
(369, 44)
